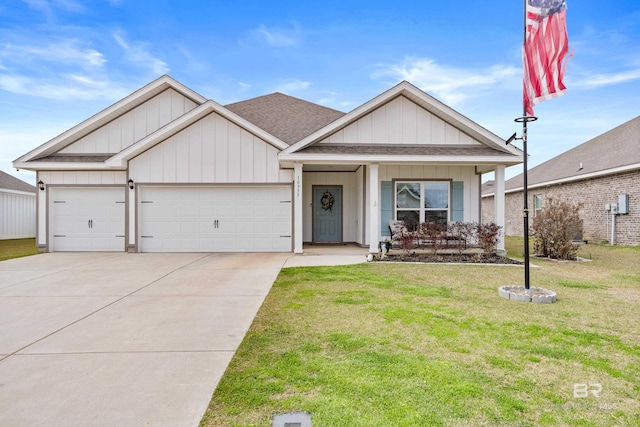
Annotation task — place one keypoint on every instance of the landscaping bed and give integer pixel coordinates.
(465, 258)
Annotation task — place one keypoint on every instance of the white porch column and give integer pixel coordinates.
(374, 209)
(297, 208)
(131, 194)
(41, 208)
(499, 203)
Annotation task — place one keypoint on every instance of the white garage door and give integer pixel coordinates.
(215, 219)
(87, 219)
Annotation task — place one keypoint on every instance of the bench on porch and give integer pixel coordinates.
(403, 238)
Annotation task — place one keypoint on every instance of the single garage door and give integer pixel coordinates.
(215, 219)
(87, 219)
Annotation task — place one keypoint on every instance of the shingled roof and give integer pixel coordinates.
(612, 151)
(9, 182)
(285, 117)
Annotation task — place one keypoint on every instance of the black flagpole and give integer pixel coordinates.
(524, 120)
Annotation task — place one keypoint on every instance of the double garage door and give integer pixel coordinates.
(174, 219)
(214, 219)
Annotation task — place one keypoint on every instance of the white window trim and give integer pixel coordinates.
(421, 209)
(537, 209)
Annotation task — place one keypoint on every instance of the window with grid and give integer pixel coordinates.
(422, 201)
(537, 204)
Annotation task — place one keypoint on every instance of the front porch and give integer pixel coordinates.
(336, 204)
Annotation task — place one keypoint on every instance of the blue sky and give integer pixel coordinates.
(62, 61)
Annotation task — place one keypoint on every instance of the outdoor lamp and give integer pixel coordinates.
(130, 182)
(41, 185)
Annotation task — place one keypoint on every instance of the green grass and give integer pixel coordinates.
(17, 248)
(434, 345)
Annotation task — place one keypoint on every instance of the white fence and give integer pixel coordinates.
(17, 215)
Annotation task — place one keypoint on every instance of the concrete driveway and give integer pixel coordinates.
(122, 339)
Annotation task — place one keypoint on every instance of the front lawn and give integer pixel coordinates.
(434, 345)
(17, 248)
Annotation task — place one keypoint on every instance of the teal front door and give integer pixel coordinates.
(327, 214)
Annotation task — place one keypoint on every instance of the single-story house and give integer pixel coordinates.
(17, 208)
(166, 169)
(602, 174)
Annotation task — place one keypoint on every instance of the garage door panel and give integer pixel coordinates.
(216, 219)
(87, 219)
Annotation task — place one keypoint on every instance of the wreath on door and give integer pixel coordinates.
(327, 201)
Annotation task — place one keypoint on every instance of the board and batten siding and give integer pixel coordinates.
(211, 150)
(134, 125)
(400, 121)
(17, 215)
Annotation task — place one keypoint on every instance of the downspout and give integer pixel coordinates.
(614, 212)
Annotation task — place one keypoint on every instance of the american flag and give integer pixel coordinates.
(545, 49)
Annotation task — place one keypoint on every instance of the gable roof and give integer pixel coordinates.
(285, 117)
(10, 182)
(616, 150)
(108, 114)
(422, 99)
(291, 125)
(120, 159)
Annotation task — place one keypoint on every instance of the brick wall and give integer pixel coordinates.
(593, 194)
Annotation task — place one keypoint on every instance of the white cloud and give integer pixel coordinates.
(67, 87)
(292, 85)
(65, 51)
(138, 53)
(277, 37)
(191, 63)
(600, 80)
(47, 7)
(452, 85)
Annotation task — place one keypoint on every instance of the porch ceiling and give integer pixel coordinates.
(330, 168)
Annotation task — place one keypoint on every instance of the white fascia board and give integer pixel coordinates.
(184, 90)
(458, 120)
(67, 166)
(424, 100)
(120, 160)
(612, 171)
(250, 127)
(374, 158)
(124, 105)
(345, 120)
(20, 193)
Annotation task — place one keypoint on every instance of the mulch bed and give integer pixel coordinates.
(450, 258)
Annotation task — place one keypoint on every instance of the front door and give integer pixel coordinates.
(327, 214)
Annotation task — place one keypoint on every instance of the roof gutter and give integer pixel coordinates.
(591, 175)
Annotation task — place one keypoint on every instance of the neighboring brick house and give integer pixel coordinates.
(595, 174)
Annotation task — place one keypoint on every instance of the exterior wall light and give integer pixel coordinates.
(130, 182)
(41, 185)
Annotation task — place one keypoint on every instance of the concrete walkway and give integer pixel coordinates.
(97, 339)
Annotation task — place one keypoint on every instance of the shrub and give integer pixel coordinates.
(555, 227)
(487, 236)
(401, 234)
(462, 232)
(434, 233)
